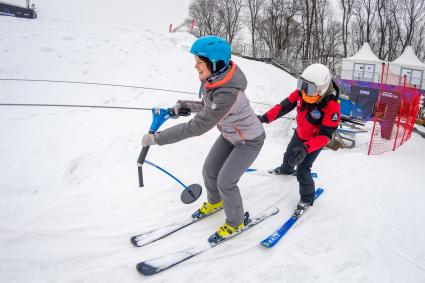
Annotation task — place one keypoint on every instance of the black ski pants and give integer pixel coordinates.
(306, 182)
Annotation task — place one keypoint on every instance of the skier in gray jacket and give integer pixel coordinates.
(225, 105)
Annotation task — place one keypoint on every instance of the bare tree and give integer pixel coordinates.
(308, 30)
(254, 7)
(333, 43)
(277, 26)
(393, 24)
(413, 15)
(228, 12)
(205, 14)
(364, 27)
(369, 7)
(347, 9)
(419, 42)
(328, 36)
(308, 12)
(383, 23)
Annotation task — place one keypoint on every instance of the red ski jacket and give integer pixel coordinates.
(316, 123)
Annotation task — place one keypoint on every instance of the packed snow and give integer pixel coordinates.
(70, 197)
(156, 15)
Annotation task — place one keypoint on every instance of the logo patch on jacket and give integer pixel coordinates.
(334, 117)
(315, 114)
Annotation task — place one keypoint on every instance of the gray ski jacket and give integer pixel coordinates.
(225, 105)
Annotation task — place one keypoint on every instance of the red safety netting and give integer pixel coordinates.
(394, 113)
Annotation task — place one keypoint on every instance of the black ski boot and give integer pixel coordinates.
(301, 209)
(279, 171)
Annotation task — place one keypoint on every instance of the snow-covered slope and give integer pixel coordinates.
(157, 15)
(70, 197)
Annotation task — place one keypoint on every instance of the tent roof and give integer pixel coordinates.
(409, 58)
(365, 54)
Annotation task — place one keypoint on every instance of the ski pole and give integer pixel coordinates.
(313, 174)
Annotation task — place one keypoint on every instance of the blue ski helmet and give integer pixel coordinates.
(214, 48)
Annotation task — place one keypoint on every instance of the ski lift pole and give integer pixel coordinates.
(191, 192)
(159, 116)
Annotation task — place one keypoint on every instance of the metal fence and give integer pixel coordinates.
(280, 58)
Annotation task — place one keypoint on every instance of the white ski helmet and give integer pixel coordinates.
(318, 74)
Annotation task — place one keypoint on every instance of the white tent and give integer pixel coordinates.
(362, 66)
(408, 64)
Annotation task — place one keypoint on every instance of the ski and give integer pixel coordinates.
(157, 265)
(162, 232)
(272, 240)
(269, 172)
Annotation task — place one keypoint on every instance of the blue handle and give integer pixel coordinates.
(159, 116)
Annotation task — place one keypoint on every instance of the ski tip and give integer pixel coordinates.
(267, 244)
(318, 192)
(135, 242)
(146, 269)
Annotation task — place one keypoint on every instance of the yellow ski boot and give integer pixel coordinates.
(226, 231)
(207, 208)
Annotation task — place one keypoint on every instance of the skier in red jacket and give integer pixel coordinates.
(318, 115)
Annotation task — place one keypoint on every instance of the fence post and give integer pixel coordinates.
(377, 108)
(386, 77)
(400, 113)
(408, 115)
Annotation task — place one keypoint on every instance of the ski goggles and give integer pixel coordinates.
(309, 88)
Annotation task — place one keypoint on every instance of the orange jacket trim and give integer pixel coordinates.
(227, 78)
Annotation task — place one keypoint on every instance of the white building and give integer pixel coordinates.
(362, 66)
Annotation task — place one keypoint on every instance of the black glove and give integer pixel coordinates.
(298, 155)
(262, 118)
(183, 112)
(177, 110)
